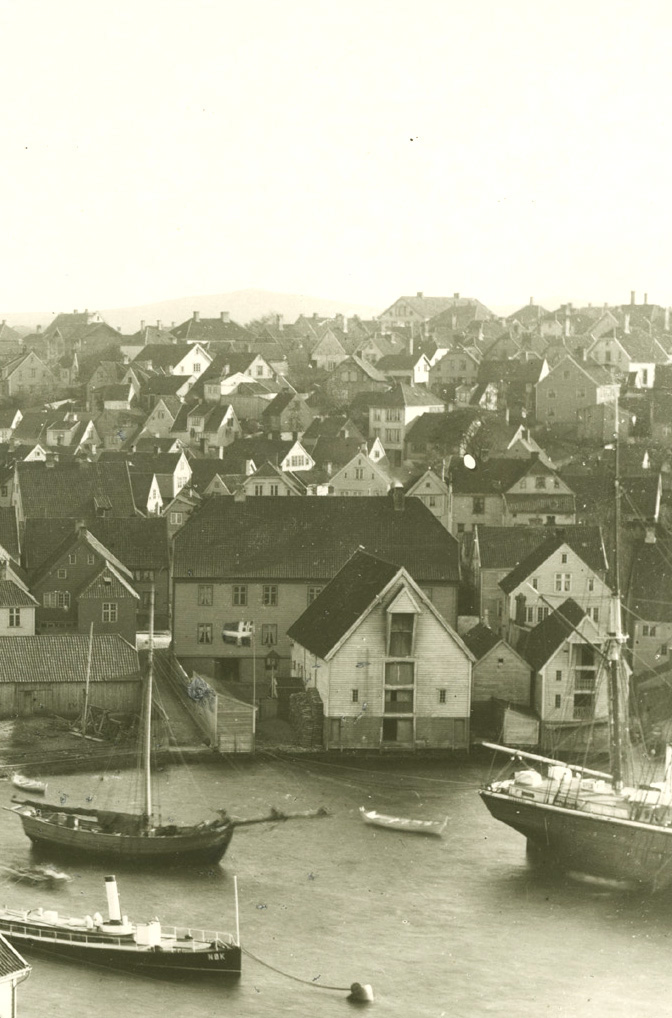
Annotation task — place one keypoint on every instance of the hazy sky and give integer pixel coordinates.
(356, 150)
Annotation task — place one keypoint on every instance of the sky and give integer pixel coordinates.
(357, 150)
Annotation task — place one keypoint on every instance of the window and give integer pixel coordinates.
(460, 528)
(355, 695)
(56, 599)
(393, 434)
(312, 593)
(663, 650)
(204, 632)
(269, 594)
(109, 611)
(442, 696)
(260, 370)
(565, 374)
(176, 518)
(62, 574)
(90, 559)
(552, 393)
(478, 506)
(591, 583)
(539, 482)
(580, 393)
(359, 474)
(269, 635)
(275, 489)
(542, 612)
(72, 558)
(401, 634)
(197, 368)
(240, 594)
(529, 615)
(535, 582)
(594, 613)
(563, 582)
(297, 461)
(558, 675)
(558, 701)
(258, 489)
(432, 501)
(4, 491)
(205, 593)
(523, 483)
(14, 618)
(556, 482)
(563, 559)
(393, 415)
(648, 630)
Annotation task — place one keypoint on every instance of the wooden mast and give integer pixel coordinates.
(617, 705)
(147, 727)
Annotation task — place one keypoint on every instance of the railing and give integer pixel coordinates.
(190, 938)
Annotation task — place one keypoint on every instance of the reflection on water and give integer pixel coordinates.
(459, 926)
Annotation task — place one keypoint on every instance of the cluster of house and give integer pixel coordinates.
(295, 505)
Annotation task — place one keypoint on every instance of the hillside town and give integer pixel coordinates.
(340, 534)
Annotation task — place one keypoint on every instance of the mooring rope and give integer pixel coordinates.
(297, 979)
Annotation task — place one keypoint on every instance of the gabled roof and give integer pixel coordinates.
(448, 430)
(536, 558)
(211, 330)
(493, 476)
(506, 547)
(594, 371)
(480, 640)
(164, 385)
(203, 471)
(311, 538)
(91, 542)
(139, 542)
(163, 355)
(331, 427)
(156, 463)
(338, 607)
(236, 456)
(403, 395)
(9, 531)
(430, 307)
(70, 489)
(11, 962)
(15, 595)
(548, 636)
(49, 659)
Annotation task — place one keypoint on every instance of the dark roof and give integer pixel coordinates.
(14, 596)
(480, 640)
(162, 355)
(541, 643)
(345, 598)
(207, 330)
(506, 547)
(650, 593)
(64, 658)
(445, 429)
(164, 385)
(535, 559)
(493, 476)
(236, 455)
(155, 463)
(9, 535)
(406, 395)
(138, 542)
(72, 489)
(312, 538)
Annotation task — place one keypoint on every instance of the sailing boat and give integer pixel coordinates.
(608, 826)
(132, 837)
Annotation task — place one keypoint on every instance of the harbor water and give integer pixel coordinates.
(459, 926)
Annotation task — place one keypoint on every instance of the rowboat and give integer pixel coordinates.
(36, 875)
(435, 827)
(29, 784)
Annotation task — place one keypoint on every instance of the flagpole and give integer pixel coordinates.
(254, 688)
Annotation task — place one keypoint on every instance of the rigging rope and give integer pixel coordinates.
(297, 979)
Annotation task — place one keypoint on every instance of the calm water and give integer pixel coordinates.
(454, 927)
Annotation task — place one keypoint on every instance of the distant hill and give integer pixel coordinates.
(242, 305)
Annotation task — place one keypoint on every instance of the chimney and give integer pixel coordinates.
(646, 298)
(398, 497)
(531, 301)
(632, 296)
(626, 324)
(279, 323)
(197, 316)
(239, 496)
(667, 320)
(249, 468)
(410, 345)
(520, 609)
(142, 325)
(456, 296)
(345, 324)
(453, 322)
(225, 317)
(420, 294)
(39, 328)
(567, 323)
(80, 526)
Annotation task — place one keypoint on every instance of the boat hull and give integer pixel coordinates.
(222, 962)
(596, 845)
(204, 845)
(390, 823)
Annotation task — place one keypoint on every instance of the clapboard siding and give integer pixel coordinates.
(359, 664)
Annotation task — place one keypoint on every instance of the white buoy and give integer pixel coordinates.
(361, 993)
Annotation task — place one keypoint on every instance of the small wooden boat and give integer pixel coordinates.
(142, 948)
(435, 827)
(36, 875)
(29, 784)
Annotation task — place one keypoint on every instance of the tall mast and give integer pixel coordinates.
(617, 703)
(147, 728)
